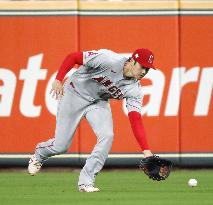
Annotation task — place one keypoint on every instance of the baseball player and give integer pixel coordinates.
(102, 74)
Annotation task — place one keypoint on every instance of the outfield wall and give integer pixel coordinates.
(36, 36)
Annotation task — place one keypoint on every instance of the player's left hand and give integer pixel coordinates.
(57, 90)
(155, 167)
(147, 153)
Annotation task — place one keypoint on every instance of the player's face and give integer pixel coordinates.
(139, 71)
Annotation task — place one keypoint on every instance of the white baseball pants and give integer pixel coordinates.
(71, 109)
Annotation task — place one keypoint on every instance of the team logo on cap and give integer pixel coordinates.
(150, 60)
(136, 55)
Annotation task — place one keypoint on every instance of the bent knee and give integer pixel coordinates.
(60, 150)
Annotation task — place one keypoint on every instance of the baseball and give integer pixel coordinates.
(192, 182)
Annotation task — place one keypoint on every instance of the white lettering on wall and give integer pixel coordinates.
(31, 75)
(204, 92)
(179, 79)
(7, 91)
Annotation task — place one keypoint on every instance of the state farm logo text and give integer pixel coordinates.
(181, 76)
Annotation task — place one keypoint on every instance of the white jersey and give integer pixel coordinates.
(101, 78)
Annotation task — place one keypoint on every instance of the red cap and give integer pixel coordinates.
(144, 57)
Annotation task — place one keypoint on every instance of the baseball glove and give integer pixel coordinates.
(155, 167)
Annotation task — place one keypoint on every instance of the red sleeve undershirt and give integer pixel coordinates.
(68, 63)
(138, 129)
(134, 117)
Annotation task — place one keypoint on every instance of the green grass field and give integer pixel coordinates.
(118, 187)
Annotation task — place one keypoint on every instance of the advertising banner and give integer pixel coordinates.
(177, 106)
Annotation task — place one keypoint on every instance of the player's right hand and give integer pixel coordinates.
(57, 90)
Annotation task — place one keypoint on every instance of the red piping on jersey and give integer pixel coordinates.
(138, 129)
(68, 63)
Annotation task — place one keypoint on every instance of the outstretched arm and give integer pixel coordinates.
(139, 132)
